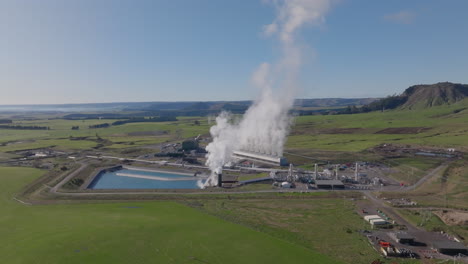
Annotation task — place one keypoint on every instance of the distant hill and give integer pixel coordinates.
(419, 96)
(194, 108)
(333, 102)
(425, 96)
(301, 106)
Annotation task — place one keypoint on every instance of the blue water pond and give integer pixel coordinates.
(138, 179)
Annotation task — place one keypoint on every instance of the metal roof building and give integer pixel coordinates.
(404, 238)
(449, 247)
(281, 161)
(329, 184)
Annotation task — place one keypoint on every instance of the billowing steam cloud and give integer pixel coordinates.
(265, 125)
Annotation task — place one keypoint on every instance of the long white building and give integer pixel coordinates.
(279, 161)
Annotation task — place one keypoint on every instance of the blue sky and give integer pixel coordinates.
(83, 51)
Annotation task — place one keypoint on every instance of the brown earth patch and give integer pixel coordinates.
(351, 130)
(148, 133)
(403, 130)
(453, 217)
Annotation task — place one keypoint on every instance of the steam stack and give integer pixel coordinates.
(356, 174)
(315, 171)
(220, 180)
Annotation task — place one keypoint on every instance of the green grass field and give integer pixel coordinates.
(447, 189)
(135, 232)
(446, 127)
(123, 136)
(328, 225)
(410, 169)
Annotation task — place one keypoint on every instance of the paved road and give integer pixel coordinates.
(389, 211)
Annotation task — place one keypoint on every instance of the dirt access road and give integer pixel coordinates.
(381, 204)
(83, 165)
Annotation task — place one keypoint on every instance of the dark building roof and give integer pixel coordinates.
(404, 236)
(447, 244)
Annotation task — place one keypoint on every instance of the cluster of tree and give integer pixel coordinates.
(18, 127)
(81, 116)
(389, 102)
(170, 154)
(191, 160)
(77, 138)
(146, 114)
(6, 121)
(188, 145)
(100, 125)
(75, 127)
(74, 183)
(316, 111)
(143, 120)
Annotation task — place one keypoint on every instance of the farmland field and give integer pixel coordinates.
(163, 232)
(246, 230)
(442, 126)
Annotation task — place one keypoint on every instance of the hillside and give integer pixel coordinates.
(417, 97)
(209, 106)
(424, 96)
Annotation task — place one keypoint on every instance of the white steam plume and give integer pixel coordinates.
(265, 125)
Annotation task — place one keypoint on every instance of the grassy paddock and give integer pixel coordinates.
(135, 232)
(446, 129)
(123, 136)
(349, 133)
(327, 225)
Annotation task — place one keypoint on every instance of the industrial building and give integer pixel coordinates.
(226, 180)
(405, 238)
(375, 220)
(262, 158)
(449, 247)
(329, 184)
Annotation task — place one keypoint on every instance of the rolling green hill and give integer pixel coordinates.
(438, 126)
(418, 97)
(424, 96)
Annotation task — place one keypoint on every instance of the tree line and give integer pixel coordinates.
(143, 120)
(18, 127)
(136, 120)
(100, 125)
(389, 102)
